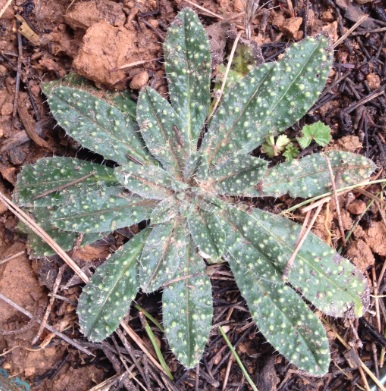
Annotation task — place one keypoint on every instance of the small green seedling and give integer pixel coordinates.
(185, 181)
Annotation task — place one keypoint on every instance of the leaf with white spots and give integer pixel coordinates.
(236, 176)
(66, 240)
(106, 299)
(281, 315)
(150, 182)
(188, 69)
(187, 310)
(269, 100)
(310, 176)
(97, 125)
(207, 231)
(327, 280)
(67, 175)
(102, 210)
(162, 129)
(163, 256)
(120, 99)
(279, 312)
(165, 210)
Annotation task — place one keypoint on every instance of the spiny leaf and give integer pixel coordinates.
(121, 99)
(102, 210)
(48, 174)
(269, 100)
(208, 234)
(337, 286)
(236, 175)
(187, 310)
(106, 299)
(162, 130)
(150, 182)
(281, 315)
(97, 125)
(163, 255)
(66, 240)
(318, 132)
(165, 210)
(187, 64)
(309, 177)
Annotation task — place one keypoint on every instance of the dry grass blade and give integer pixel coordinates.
(30, 223)
(360, 362)
(337, 205)
(48, 327)
(225, 76)
(5, 260)
(302, 237)
(44, 236)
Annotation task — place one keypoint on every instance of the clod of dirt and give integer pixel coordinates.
(350, 144)
(84, 15)
(139, 80)
(361, 255)
(357, 207)
(104, 48)
(373, 80)
(291, 27)
(218, 34)
(377, 238)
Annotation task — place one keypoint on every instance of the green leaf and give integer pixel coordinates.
(66, 240)
(269, 100)
(121, 99)
(150, 182)
(208, 234)
(291, 152)
(274, 148)
(162, 130)
(337, 286)
(281, 315)
(187, 64)
(163, 255)
(102, 210)
(107, 297)
(187, 310)
(165, 210)
(48, 174)
(309, 177)
(97, 125)
(235, 176)
(318, 132)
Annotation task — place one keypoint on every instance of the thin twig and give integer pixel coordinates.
(340, 223)
(135, 63)
(339, 191)
(299, 244)
(367, 99)
(11, 257)
(220, 93)
(55, 288)
(47, 326)
(43, 235)
(360, 362)
(348, 32)
(133, 335)
(18, 75)
(6, 5)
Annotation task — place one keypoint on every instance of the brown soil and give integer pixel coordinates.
(96, 39)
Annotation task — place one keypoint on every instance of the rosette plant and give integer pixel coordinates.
(191, 179)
